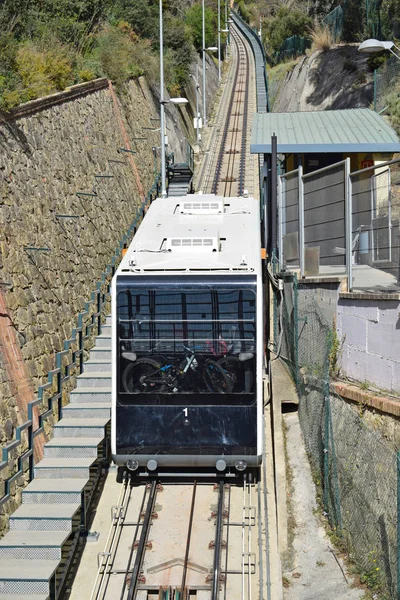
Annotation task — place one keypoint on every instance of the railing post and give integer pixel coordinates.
(301, 220)
(348, 224)
(280, 219)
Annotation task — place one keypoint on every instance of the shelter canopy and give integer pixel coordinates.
(347, 131)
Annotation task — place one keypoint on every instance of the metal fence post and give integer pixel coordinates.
(348, 222)
(301, 219)
(326, 454)
(280, 220)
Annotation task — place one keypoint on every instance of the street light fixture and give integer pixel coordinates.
(372, 46)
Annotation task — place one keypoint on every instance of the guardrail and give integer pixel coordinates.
(51, 393)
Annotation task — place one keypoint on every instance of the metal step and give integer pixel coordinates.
(54, 491)
(94, 380)
(87, 428)
(45, 517)
(97, 365)
(100, 354)
(88, 394)
(108, 320)
(72, 447)
(106, 329)
(103, 341)
(22, 576)
(64, 468)
(89, 410)
(33, 545)
(7, 596)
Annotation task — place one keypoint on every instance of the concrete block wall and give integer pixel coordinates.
(370, 334)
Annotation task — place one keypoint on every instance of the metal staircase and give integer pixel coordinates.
(45, 529)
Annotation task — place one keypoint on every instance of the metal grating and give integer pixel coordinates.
(75, 452)
(61, 473)
(31, 553)
(24, 587)
(51, 498)
(40, 524)
(76, 432)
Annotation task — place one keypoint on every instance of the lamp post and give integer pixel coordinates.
(196, 81)
(204, 66)
(211, 49)
(163, 102)
(219, 40)
(372, 46)
(162, 109)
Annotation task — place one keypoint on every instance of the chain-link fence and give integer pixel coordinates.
(354, 467)
(334, 21)
(294, 46)
(387, 85)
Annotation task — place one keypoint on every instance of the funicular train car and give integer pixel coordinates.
(187, 340)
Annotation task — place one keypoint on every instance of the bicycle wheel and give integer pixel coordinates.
(239, 373)
(216, 378)
(143, 375)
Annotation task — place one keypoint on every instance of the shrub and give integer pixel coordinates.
(321, 38)
(393, 107)
(43, 71)
(286, 22)
(120, 53)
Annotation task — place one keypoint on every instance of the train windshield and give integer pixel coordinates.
(172, 343)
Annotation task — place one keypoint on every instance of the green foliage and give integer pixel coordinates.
(194, 22)
(46, 45)
(377, 60)
(393, 104)
(285, 23)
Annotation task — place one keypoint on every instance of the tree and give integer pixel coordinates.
(284, 24)
(195, 23)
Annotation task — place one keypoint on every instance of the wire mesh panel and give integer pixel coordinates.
(334, 21)
(289, 218)
(366, 478)
(376, 228)
(387, 85)
(324, 214)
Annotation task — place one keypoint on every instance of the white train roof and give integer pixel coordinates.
(197, 234)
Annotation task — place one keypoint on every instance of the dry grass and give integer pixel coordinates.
(321, 38)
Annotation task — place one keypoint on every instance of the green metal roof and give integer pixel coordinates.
(355, 130)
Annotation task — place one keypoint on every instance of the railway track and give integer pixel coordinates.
(182, 541)
(226, 168)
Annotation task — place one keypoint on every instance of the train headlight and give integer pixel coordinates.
(240, 465)
(152, 464)
(132, 465)
(220, 465)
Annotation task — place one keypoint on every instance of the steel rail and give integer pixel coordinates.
(227, 542)
(218, 543)
(133, 586)
(235, 125)
(111, 543)
(232, 123)
(189, 535)
(225, 130)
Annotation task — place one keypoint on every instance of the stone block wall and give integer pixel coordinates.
(50, 150)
